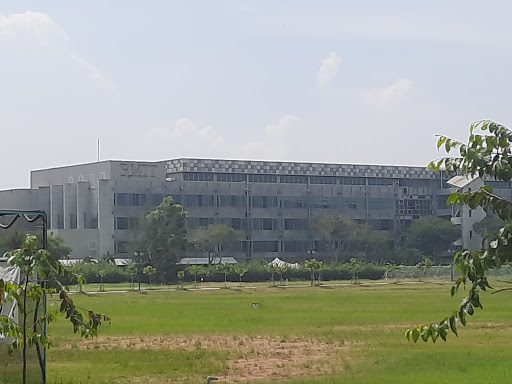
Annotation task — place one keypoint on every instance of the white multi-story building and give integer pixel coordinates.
(97, 207)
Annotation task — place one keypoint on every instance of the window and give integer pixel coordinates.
(240, 224)
(296, 246)
(322, 180)
(262, 178)
(132, 199)
(121, 247)
(72, 221)
(230, 177)
(263, 201)
(292, 179)
(294, 202)
(296, 224)
(470, 234)
(199, 201)
(127, 223)
(352, 180)
(380, 181)
(264, 224)
(265, 246)
(198, 176)
(231, 201)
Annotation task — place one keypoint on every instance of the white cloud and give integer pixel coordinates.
(30, 32)
(186, 138)
(274, 143)
(329, 68)
(391, 94)
(34, 25)
(94, 73)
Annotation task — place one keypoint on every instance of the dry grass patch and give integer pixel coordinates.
(251, 358)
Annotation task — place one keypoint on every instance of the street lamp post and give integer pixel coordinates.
(138, 255)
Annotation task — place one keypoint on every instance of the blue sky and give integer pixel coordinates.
(325, 81)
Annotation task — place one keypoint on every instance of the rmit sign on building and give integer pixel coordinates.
(138, 169)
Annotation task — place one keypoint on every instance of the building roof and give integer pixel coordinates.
(461, 181)
(204, 260)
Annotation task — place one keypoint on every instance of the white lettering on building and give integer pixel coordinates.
(137, 169)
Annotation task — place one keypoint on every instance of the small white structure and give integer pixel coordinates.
(465, 216)
(277, 262)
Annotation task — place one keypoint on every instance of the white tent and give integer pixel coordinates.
(277, 262)
(9, 307)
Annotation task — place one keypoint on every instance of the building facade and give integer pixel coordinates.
(97, 207)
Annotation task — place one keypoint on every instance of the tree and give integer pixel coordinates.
(272, 269)
(149, 271)
(194, 270)
(132, 271)
(431, 235)
(354, 267)
(214, 239)
(225, 269)
(181, 276)
(58, 248)
(282, 270)
(484, 155)
(102, 273)
(313, 265)
(241, 271)
(340, 233)
(164, 236)
(28, 332)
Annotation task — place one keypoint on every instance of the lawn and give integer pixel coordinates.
(292, 335)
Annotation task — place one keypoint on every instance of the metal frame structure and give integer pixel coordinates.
(31, 216)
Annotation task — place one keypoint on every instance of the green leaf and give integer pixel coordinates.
(415, 334)
(453, 325)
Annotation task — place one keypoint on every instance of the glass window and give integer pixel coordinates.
(263, 201)
(380, 181)
(265, 246)
(293, 179)
(296, 224)
(352, 180)
(294, 202)
(322, 179)
(121, 246)
(296, 246)
(230, 177)
(239, 224)
(262, 178)
(198, 176)
(231, 201)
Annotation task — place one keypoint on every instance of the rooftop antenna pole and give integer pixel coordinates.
(98, 158)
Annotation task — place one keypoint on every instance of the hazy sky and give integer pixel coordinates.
(324, 81)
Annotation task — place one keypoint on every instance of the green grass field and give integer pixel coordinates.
(296, 335)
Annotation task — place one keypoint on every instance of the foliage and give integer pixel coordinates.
(56, 245)
(241, 271)
(214, 239)
(225, 269)
(164, 237)
(102, 273)
(149, 271)
(341, 233)
(181, 276)
(354, 267)
(90, 273)
(313, 265)
(31, 260)
(132, 271)
(431, 235)
(484, 155)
